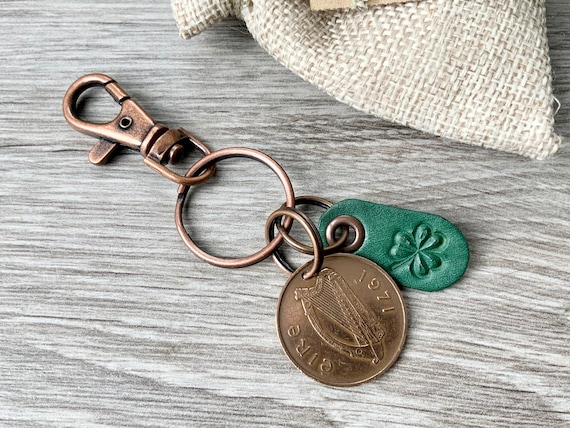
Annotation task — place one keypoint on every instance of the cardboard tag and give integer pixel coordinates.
(349, 4)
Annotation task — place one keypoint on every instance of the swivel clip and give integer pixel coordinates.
(132, 128)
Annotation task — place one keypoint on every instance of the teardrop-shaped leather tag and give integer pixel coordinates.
(419, 250)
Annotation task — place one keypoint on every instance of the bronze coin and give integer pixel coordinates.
(345, 325)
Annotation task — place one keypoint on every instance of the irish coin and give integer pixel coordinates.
(345, 325)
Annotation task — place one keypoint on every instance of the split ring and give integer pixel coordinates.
(302, 248)
(311, 230)
(198, 168)
(278, 256)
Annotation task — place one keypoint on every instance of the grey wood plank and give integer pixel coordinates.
(107, 320)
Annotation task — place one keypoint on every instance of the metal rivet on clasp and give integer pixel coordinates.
(132, 128)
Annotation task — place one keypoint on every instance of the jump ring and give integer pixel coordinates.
(343, 221)
(312, 231)
(212, 159)
(323, 203)
(278, 256)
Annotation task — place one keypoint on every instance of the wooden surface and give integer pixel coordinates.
(107, 320)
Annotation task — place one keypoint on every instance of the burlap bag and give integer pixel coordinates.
(475, 71)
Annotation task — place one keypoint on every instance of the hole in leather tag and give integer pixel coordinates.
(350, 4)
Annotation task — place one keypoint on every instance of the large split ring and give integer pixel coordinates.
(201, 165)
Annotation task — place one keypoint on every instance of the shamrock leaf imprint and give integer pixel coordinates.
(418, 251)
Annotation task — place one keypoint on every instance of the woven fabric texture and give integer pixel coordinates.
(475, 71)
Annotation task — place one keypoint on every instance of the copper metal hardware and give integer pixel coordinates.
(279, 258)
(311, 230)
(342, 222)
(210, 160)
(361, 336)
(132, 128)
(135, 129)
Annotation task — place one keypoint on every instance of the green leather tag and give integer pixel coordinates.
(419, 250)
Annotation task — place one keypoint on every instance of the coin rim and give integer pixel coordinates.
(400, 345)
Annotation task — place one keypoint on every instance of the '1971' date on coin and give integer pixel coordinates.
(344, 326)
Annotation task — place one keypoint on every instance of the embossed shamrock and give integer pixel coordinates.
(418, 251)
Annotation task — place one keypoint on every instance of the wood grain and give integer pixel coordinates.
(107, 320)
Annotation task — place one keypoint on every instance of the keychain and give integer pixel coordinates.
(341, 318)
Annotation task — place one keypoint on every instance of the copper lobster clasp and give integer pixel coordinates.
(132, 128)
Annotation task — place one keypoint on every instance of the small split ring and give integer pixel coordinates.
(311, 230)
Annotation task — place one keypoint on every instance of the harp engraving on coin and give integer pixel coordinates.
(344, 326)
(339, 318)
